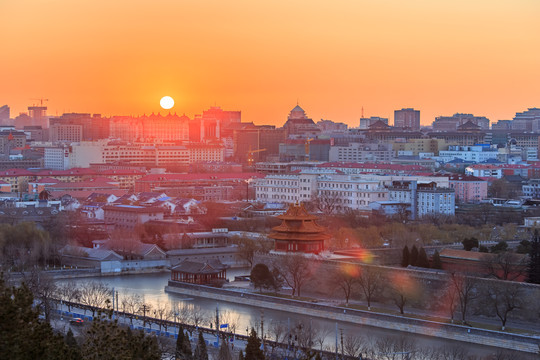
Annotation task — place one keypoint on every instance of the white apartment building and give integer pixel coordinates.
(286, 188)
(56, 158)
(142, 154)
(359, 152)
(206, 153)
(475, 154)
(424, 199)
(345, 191)
(87, 152)
(482, 170)
(84, 153)
(349, 192)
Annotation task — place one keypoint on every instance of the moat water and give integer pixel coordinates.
(150, 287)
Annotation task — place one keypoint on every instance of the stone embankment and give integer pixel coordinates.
(528, 344)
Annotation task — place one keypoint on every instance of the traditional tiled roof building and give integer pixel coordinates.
(299, 232)
(201, 273)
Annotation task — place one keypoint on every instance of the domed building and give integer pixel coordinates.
(299, 232)
(299, 124)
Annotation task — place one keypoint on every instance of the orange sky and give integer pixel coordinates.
(119, 57)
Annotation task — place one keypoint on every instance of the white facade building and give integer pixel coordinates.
(56, 158)
(424, 199)
(475, 154)
(84, 153)
(349, 192)
(87, 152)
(341, 191)
(358, 152)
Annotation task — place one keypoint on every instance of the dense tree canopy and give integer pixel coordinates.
(534, 260)
(107, 340)
(470, 243)
(253, 347)
(261, 277)
(22, 334)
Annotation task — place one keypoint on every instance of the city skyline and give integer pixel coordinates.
(121, 58)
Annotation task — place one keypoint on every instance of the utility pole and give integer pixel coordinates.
(342, 350)
(217, 324)
(144, 309)
(289, 331)
(336, 344)
(262, 328)
(113, 303)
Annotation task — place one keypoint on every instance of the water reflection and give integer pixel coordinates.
(148, 289)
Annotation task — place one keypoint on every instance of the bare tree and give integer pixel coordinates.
(393, 348)
(352, 345)
(304, 335)
(295, 270)
(95, 295)
(231, 319)
(505, 265)
(371, 281)
(162, 312)
(465, 289)
(198, 316)
(327, 201)
(450, 300)
(43, 287)
(502, 298)
(131, 304)
(278, 330)
(400, 296)
(453, 353)
(69, 292)
(246, 249)
(345, 278)
(502, 354)
(320, 335)
(183, 312)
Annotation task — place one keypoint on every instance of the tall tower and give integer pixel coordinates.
(407, 119)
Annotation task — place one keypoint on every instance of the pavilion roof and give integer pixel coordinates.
(297, 212)
(212, 266)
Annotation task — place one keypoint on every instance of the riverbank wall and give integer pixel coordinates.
(496, 339)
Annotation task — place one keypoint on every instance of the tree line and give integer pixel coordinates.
(454, 295)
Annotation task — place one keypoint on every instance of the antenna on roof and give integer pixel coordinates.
(362, 112)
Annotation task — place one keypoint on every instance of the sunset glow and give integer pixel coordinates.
(440, 57)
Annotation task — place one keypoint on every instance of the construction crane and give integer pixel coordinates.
(306, 145)
(41, 100)
(250, 155)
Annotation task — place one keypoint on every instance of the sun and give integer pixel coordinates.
(166, 102)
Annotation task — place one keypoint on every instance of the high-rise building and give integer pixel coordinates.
(407, 119)
(527, 121)
(75, 127)
(4, 114)
(262, 141)
(210, 125)
(38, 115)
(10, 139)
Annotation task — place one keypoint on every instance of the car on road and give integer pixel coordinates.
(76, 321)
